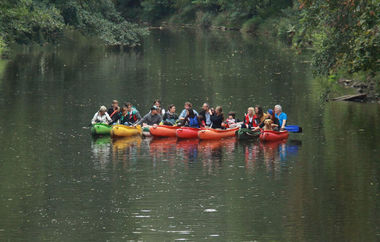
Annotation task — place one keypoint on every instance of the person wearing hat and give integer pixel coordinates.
(101, 116)
(275, 121)
(151, 118)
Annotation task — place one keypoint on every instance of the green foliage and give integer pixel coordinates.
(156, 9)
(27, 20)
(251, 25)
(100, 18)
(345, 34)
(40, 21)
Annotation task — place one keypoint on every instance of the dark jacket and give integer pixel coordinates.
(217, 121)
(169, 119)
(150, 119)
(114, 114)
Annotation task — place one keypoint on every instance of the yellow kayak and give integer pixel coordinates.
(121, 144)
(125, 131)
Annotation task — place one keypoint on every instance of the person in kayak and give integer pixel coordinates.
(260, 118)
(206, 114)
(101, 116)
(157, 103)
(187, 106)
(230, 122)
(217, 118)
(250, 119)
(122, 117)
(282, 117)
(275, 122)
(192, 120)
(170, 117)
(128, 104)
(151, 118)
(133, 115)
(114, 110)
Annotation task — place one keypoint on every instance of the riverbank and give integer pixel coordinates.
(280, 25)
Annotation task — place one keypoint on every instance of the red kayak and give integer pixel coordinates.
(187, 133)
(164, 130)
(270, 135)
(216, 133)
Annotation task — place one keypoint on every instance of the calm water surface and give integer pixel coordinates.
(59, 184)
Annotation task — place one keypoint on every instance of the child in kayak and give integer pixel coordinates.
(230, 122)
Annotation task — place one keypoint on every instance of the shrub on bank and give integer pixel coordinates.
(251, 25)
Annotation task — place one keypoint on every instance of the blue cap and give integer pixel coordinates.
(270, 111)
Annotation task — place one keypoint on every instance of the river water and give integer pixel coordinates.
(57, 183)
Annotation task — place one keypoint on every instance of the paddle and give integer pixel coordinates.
(293, 128)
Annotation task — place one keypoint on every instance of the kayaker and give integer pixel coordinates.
(260, 117)
(230, 121)
(133, 115)
(151, 118)
(192, 120)
(170, 117)
(282, 117)
(217, 118)
(122, 117)
(275, 121)
(187, 106)
(206, 114)
(249, 119)
(157, 103)
(127, 104)
(114, 110)
(101, 116)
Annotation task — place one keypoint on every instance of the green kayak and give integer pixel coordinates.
(244, 134)
(101, 129)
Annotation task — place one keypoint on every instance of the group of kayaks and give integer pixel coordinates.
(187, 132)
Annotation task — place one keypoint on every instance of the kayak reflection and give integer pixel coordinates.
(125, 150)
(271, 155)
(101, 148)
(274, 154)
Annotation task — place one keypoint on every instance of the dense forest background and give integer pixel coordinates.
(344, 34)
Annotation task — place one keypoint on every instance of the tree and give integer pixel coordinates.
(345, 34)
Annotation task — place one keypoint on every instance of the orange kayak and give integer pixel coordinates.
(187, 133)
(216, 133)
(163, 131)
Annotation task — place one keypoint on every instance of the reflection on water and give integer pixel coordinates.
(210, 153)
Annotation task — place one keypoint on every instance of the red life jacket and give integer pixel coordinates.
(253, 122)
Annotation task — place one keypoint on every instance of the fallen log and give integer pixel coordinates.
(354, 98)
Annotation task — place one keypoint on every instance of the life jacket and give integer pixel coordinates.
(131, 117)
(193, 122)
(252, 123)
